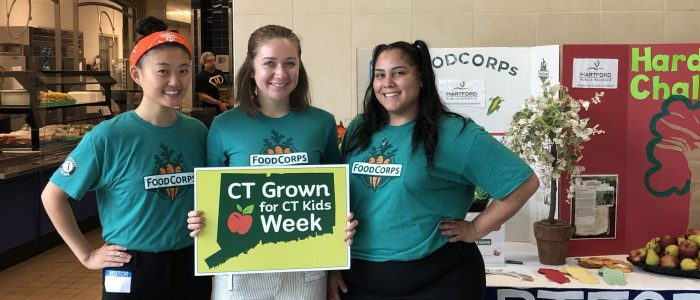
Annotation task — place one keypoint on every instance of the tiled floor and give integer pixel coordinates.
(54, 274)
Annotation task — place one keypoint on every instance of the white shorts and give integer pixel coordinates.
(271, 286)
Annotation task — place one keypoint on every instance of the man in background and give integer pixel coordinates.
(207, 83)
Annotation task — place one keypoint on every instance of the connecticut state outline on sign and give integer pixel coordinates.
(268, 221)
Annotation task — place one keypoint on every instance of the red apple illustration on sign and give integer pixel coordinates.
(241, 220)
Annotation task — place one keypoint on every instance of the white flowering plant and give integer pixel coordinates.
(548, 132)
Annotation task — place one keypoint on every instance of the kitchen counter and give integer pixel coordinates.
(17, 163)
(23, 176)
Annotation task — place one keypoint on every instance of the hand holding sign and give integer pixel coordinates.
(195, 222)
(350, 228)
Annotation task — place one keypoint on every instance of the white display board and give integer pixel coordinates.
(487, 84)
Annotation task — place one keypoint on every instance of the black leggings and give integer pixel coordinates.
(455, 271)
(163, 275)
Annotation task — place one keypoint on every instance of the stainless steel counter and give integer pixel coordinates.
(17, 163)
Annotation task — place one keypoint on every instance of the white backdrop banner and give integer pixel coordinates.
(487, 84)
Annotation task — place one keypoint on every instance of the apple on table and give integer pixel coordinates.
(688, 249)
(638, 255)
(692, 231)
(670, 261)
(667, 240)
(672, 250)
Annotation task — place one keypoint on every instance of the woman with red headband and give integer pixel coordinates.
(140, 163)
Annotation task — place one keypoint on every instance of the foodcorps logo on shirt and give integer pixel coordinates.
(278, 150)
(68, 167)
(170, 176)
(300, 158)
(379, 168)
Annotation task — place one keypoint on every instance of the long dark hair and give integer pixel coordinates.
(430, 108)
(246, 89)
(149, 25)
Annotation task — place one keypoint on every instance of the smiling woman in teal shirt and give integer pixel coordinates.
(414, 168)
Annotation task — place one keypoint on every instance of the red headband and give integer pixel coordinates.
(155, 39)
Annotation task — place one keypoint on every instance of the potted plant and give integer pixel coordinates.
(549, 133)
(481, 200)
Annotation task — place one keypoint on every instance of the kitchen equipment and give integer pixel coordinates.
(11, 63)
(87, 96)
(38, 48)
(14, 97)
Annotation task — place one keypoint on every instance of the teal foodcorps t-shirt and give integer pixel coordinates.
(143, 177)
(400, 202)
(297, 138)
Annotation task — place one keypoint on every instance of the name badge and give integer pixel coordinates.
(117, 281)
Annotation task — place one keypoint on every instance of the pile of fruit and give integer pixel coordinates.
(670, 252)
(48, 133)
(51, 97)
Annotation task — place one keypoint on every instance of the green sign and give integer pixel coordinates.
(271, 219)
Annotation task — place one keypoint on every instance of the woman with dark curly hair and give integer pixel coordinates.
(414, 168)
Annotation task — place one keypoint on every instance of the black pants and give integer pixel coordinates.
(163, 275)
(455, 271)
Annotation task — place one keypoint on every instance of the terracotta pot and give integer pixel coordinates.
(552, 242)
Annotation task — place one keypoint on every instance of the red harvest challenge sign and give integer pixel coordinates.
(652, 137)
(658, 75)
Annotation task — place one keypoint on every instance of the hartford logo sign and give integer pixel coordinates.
(464, 93)
(595, 73)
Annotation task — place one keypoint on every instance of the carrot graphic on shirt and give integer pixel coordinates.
(380, 155)
(277, 144)
(167, 163)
